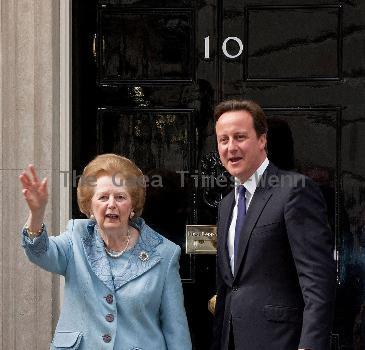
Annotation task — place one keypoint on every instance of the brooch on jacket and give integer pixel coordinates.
(143, 256)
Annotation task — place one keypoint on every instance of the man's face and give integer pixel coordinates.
(240, 149)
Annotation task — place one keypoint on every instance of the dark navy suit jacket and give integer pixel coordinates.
(282, 294)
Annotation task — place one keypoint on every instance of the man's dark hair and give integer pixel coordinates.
(258, 115)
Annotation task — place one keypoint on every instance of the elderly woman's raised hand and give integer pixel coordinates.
(34, 191)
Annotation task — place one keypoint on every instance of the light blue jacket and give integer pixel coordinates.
(141, 309)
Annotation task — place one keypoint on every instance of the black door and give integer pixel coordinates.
(146, 77)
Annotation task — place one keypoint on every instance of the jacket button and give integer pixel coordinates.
(234, 288)
(107, 338)
(109, 299)
(109, 317)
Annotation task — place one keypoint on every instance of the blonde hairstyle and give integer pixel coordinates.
(115, 166)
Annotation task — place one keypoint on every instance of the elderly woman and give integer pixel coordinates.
(122, 285)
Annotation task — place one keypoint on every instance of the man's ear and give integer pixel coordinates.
(263, 141)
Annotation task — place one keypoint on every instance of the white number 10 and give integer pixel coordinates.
(224, 47)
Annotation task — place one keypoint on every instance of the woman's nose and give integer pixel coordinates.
(111, 202)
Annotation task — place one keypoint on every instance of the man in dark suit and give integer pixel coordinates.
(275, 268)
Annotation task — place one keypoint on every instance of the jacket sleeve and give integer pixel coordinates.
(220, 303)
(174, 323)
(50, 253)
(311, 242)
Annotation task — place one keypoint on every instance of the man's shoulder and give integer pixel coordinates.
(279, 178)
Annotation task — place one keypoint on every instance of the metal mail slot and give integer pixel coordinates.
(201, 239)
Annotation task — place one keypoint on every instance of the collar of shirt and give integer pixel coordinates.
(252, 182)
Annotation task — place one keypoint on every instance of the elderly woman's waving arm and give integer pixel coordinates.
(51, 254)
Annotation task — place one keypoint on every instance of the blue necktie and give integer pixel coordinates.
(241, 215)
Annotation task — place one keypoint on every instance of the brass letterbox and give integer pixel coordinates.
(201, 239)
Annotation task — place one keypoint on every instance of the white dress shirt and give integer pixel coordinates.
(250, 185)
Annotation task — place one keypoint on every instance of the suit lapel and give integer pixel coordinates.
(259, 200)
(225, 215)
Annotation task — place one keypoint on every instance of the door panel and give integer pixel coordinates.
(136, 45)
(309, 47)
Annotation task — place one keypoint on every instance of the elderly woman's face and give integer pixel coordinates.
(111, 204)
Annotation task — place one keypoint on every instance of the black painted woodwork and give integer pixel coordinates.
(147, 91)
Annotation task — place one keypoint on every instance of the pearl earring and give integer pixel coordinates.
(131, 215)
(92, 217)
